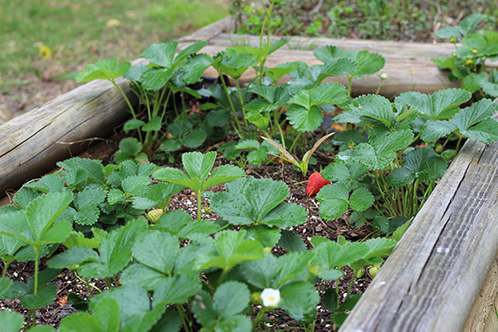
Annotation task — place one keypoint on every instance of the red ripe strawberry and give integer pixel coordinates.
(315, 183)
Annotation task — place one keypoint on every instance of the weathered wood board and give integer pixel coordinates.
(383, 47)
(437, 271)
(405, 74)
(33, 142)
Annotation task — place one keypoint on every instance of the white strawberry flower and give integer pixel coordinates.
(270, 297)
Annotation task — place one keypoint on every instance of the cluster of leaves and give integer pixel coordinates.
(255, 109)
(214, 279)
(468, 62)
(378, 175)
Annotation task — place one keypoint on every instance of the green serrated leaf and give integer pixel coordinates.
(176, 289)
(132, 124)
(374, 109)
(267, 236)
(434, 130)
(149, 249)
(233, 249)
(231, 298)
(86, 203)
(334, 200)
(303, 119)
(192, 69)
(291, 242)
(11, 320)
(73, 257)
(43, 298)
(299, 299)
(48, 183)
(104, 69)
(135, 310)
(368, 64)
(336, 67)
(361, 199)
(138, 275)
(154, 124)
(194, 139)
(115, 251)
(161, 54)
(136, 183)
(130, 145)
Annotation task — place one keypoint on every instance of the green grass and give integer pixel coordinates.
(77, 34)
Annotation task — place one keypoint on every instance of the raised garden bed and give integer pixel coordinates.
(444, 257)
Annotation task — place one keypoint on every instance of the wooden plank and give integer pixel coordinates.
(33, 142)
(430, 281)
(209, 31)
(483, 317)
(405, 73)
(383, 47)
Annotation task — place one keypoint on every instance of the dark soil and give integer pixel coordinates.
(186, 200)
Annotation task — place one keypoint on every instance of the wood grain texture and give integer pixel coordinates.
(405, 73)
(383, 47)
(33, 142)
(432, 278)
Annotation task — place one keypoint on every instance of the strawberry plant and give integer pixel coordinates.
(198, 167)
(383, 180)
(468, 62)
(209, 281)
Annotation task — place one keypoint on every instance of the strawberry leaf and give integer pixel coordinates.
(475, 121)
(300, 300)
(103, 69)
(438, 106)
(150, 246)
(374, 109)
(421, 163)
(86, 202)
(11, 320)
(268, 236)
(161, 54)
(231, 249)
(176, 289)
(136, 312)
(192, 69)
(104, 317)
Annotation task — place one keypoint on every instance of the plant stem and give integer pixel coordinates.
(351, 284)
(181, 310)
(37, 257)
(29, 318)
(378, 89)
(5, 265)
(108, 282)
(115, 281)
(241, 103)
(259, 317)
(350, 78)
(129, 105)
(241, 135)
(199, 204)
(295, 141)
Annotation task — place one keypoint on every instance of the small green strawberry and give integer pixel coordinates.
(154, 215)
(373, 270)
